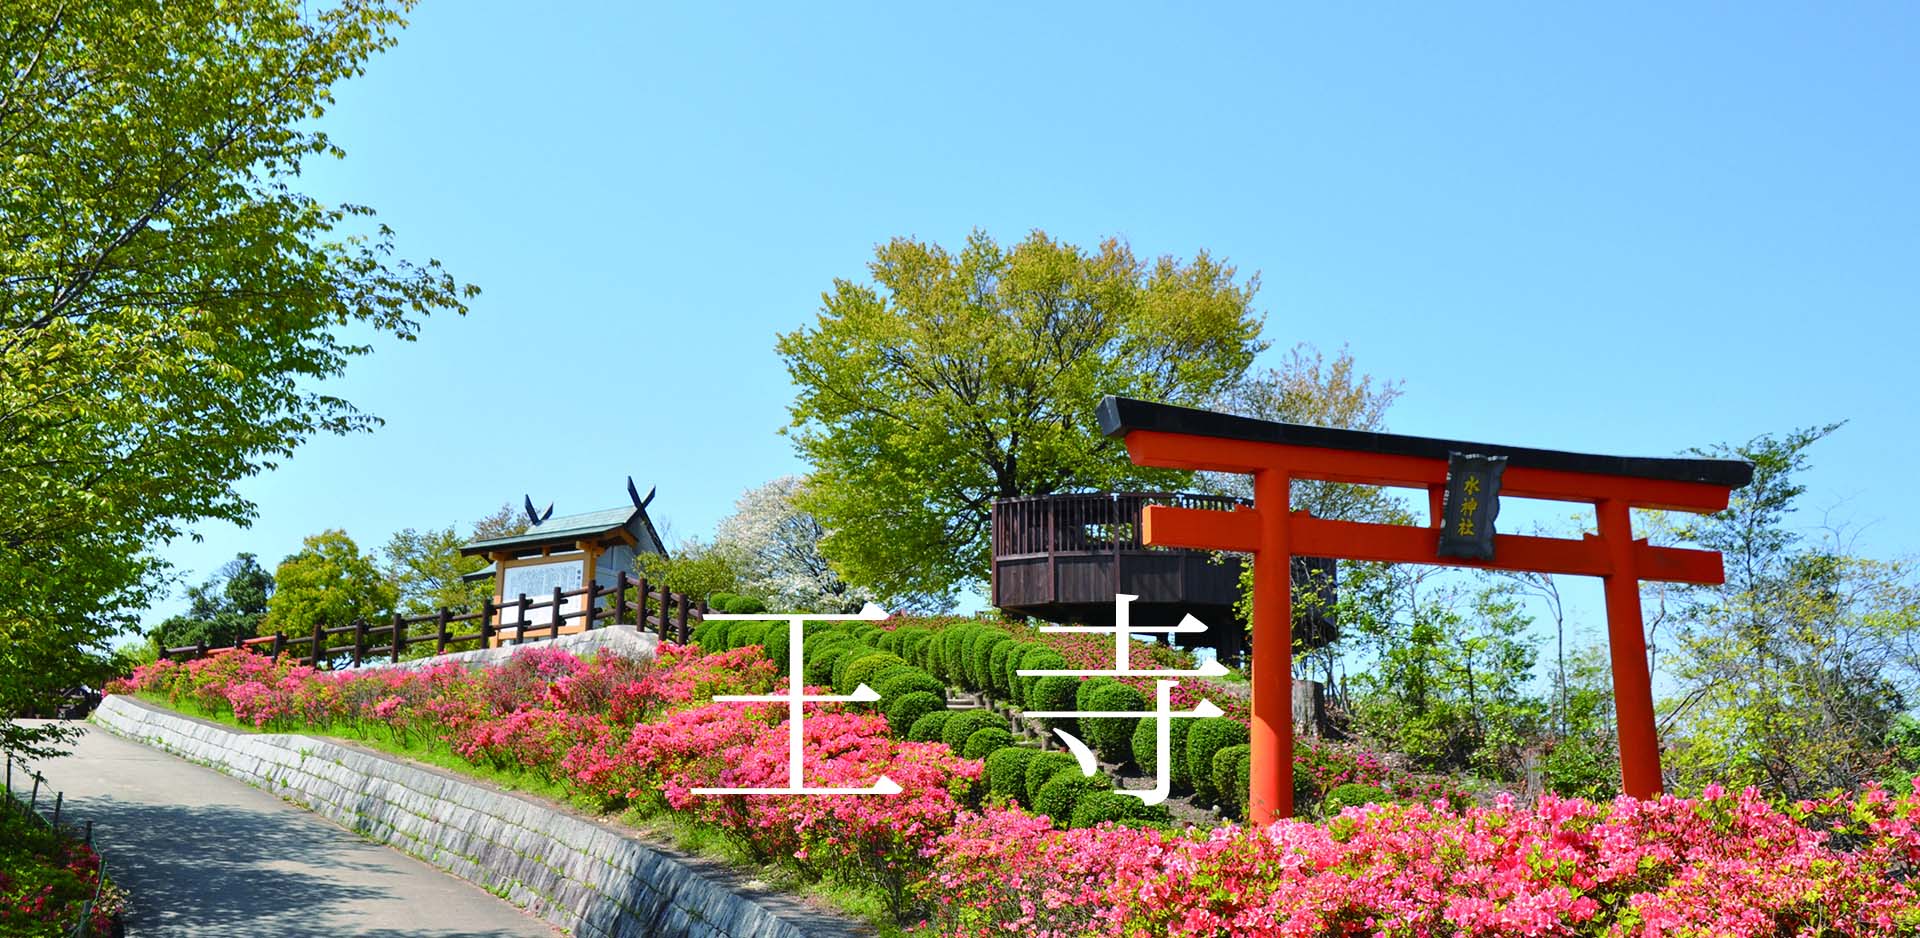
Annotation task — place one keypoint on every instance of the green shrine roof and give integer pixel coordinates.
(556, 530)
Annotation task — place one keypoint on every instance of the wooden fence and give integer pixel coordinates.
(29, 807)
(628, 602)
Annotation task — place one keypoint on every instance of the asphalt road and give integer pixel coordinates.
(207, 855)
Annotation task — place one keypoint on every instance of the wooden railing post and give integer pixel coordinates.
(399, 637)
(520, 630)
(359, 641)
(440, 633)
(200, 648)
(593, 603)
(279, 644)
(640, 605)
(486, 622)
(319, 643)
(620, 598)
(680, 623)
(553, 615)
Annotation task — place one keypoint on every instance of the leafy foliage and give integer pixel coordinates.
(777, 544)
(221, 611)
(955, 378)
(329, 583)
(170, 305)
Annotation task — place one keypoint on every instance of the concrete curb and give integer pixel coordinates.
(591, 879)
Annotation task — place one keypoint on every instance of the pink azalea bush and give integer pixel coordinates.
(1719, 865)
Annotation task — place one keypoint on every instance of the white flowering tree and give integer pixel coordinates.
(779, 546)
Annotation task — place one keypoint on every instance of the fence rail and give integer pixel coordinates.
(629, 602)
(29, 809)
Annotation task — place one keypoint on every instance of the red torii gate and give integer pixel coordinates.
(1276, 453)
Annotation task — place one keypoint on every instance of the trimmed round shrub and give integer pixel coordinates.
(929, 728)
(1054, 693)
(862, 670)
(980, 658)
(836, 678)
(1208, 736)
(913, 643)
(1095, 807)
(903, 714)
(1112, 737)
(946, 653)
(1230, 767)
(735, 604)
(708, 635)
(1043, 767)
(1146, 737)
(965, 723)
(1058, 796)
(997, 668)
(1007, 771)
(888, 642)
(1083, 695)
(751, 633)
(1038, 658)
(775, 644)
(1352, 795)
(983, 742)
(905, 679)
(821, 655)
(1006, 681)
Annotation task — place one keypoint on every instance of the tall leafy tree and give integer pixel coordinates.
(329, 583)
(954, 378)
(170, 303)
(1792, 675)
(226, 608)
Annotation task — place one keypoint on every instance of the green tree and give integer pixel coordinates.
(329, 583)
(426, 570)
(170, 304)
(956, 378)
(1793, 673)
(226, 608)
(1448, 675)
(696, 568)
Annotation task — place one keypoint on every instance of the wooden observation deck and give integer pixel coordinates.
(1062, 558)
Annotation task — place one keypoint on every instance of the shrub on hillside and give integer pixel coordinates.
(902, 679)
(1039, 658)
(1054, 694)
(821, 654)
(1208, 736)
(1007, 772)
(1058, 796)
(929, 728)
(1083, 695)
(1231, 767)
(965, 723)
(980, 658)
(983, 742)
(1043, 767)
(1353, 796)
(863, 670)
(1146, 737)
(837, 677)
(997, 669)
(909, 708)
(1096, 807)
(1112, 737)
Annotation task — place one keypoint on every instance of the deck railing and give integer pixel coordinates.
(1094, 522)
(629, 601)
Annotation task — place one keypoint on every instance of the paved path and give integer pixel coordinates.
(208, 855)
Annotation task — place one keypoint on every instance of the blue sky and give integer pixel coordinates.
(1631, 229)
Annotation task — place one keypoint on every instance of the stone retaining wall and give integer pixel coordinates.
(595, 880)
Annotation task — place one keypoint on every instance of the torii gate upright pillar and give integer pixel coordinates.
(1271, 732)
(1460, 534)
